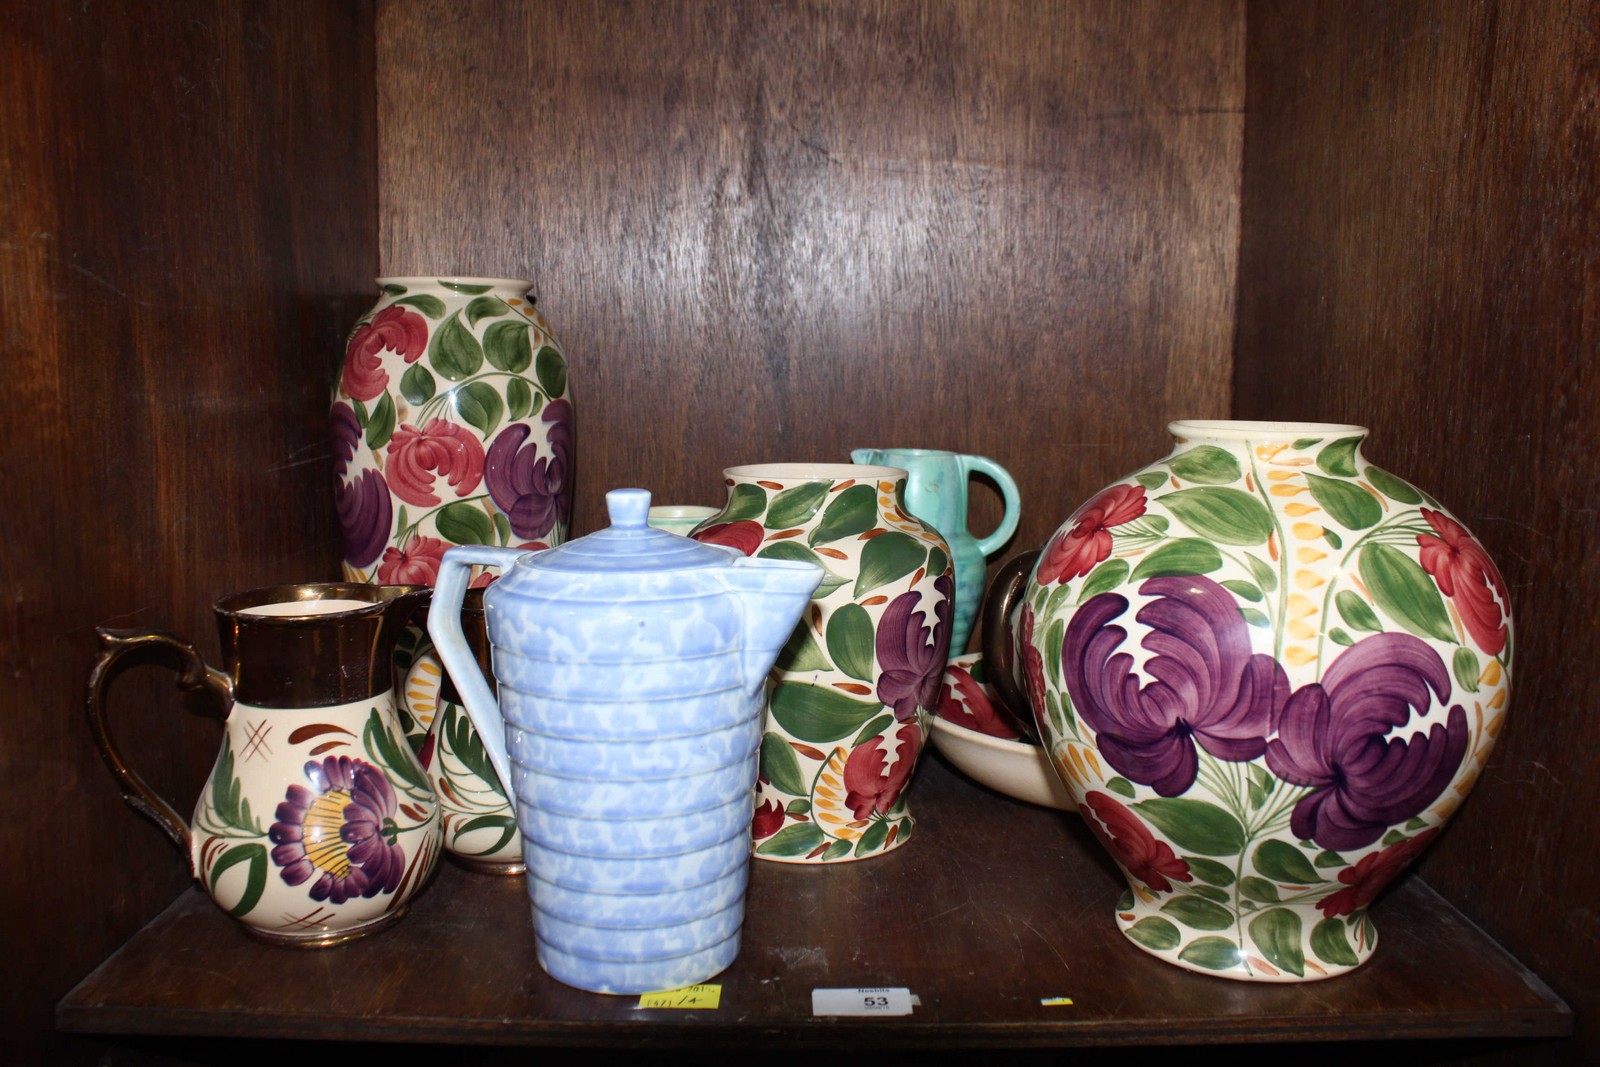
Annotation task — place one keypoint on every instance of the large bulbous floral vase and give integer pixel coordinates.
(1269, 672)
(854, 689)
(452, 424)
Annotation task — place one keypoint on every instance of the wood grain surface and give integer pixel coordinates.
(779, 231)
(1420, 256)
(190, 208)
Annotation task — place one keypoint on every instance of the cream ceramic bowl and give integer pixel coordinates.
(1016, 768)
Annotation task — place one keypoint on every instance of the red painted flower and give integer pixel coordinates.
(1466, 574)
(964, 702)
(768, 820)
(1367, 878)
(394, 329)
(416, 564)
(870, 785)
(745, 536)
(1131, 844)
(1084, 546)
(418, 457)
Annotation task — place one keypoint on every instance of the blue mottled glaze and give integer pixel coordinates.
(631, 665)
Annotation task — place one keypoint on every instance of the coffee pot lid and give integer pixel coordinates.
(630, 543)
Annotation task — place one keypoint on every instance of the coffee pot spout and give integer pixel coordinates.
(773, 595)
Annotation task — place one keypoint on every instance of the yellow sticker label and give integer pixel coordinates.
(1055, 1002)
(690, 996)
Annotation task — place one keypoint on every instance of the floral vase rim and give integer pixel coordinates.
(522, 285)
(815, 472)
(1241, 430)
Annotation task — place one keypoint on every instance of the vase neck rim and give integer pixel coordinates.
(1239, 430)
(436, 281)
(814, 472)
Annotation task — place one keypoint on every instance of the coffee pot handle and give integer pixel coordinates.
(999, 639)
(193, 676)
(444, 626)
(1010, 495)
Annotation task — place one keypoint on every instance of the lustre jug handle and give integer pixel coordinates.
(1009, 495)
(999, 639)
(444, 626)
(193, 676)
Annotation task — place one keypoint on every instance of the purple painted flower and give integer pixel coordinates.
(363, 504)
(1335, 737)
(534, 491)
(343, 834)
(911, 656)
(1206, 687)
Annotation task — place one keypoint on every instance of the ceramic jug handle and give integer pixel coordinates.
(1009, 494)
(193, 676)
(999, 644)
(444, 626)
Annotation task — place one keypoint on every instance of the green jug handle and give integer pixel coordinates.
(193, 675)
(1008, 493)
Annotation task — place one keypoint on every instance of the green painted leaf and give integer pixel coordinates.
(801, 652)
(508, 346)
(873, 839)
(479, 405)
(796, 840)
(1185, 556)
(1194, 825)
(1261, 784)
(393, 289)
(1348, 503)
(1155, 933)
(794, 550)
(938, 561)
(1333, 539)
(795, 506)
(837, 850)
(464, 524)
(1121, 786)
(1355, 612)
(1329, 858)
(255, 854)
(1258, 889)
(1466, 668)
(1107, 576)
(381, 425)
(1210, 870)
(1339, 458)
(468, 288)
(395, 758)
(745, 501)
(1405, 592)
(1392, 487)
(504, 823)
(1256, 618)
(1125, 901)
(1053, 638)
(798, 807)
(1282, 862)
(1303, 443)
(453, 352)
(873, 728)
(1198, 914)
(519, 399)
(887, 558)
(550, 368)
(417, 384)
(1212, 953)
(779, 766)
(851, 512)
(485, 307)
(818, 714)
(1206, 465)
(461, 739)
(502, 529)
(1339, 637)
(1330, 945)
(1277, 933)
(850, 641)
(1247, 590)
(429, 305)
(1213, 893)
(1227, 516)
(1265, 576)
(1153, 480)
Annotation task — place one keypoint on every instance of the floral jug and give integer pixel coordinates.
(317, 825)
(631, 667)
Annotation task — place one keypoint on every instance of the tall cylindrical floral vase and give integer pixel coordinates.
(853, 692)
(1269, 672)
(452, 424)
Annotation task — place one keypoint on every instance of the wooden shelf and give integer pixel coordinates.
(991, 908)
